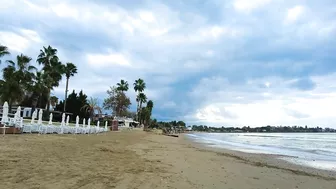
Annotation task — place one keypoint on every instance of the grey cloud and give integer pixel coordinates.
(262, 49)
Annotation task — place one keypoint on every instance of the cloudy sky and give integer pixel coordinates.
(215, 62)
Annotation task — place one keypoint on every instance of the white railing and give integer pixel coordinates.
(64, 127)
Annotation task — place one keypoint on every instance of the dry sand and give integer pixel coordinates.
(134, 159)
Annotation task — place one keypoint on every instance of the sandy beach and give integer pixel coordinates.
(135, 159)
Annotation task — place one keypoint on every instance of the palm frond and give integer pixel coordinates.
(3, 51)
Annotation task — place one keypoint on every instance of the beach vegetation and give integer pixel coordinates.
(117, 101)
(92, 107)
(139, 87)
(122, 86)
(70, 70)
(141, 99)
(25, 85)
(3, 51)
(16, 80)
(146, 114)
(52, 69)
(75, 103)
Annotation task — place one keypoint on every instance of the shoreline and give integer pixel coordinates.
(264, 160)
(194, 165)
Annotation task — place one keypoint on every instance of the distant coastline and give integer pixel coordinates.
(264, 129)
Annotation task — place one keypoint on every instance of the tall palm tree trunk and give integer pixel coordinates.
(91, 115)
(34, 102)
(66, 93)
(138, 110)
(10, 106)
(140, 105)
(40, 100)
(48, 102)
(137, 114)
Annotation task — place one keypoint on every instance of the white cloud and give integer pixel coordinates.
(7, 4)
(147, 16)
(216, 114)
(172, 46)
(209, 53)
(294, 13)
(280, 105)
(65, 11)
(14, 41)
(20, 41)
(158, 93)
(247, 6)
(101, 60)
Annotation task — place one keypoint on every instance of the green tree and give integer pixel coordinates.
(150, 106)
(81, 101)
(139, 87)
(10, 88)
(181, 123)
(52, 69)
(17, 79)
(39, 90)
(25, 71)
(145, 117)
(141, 98)
(146, 113)
(122, 86)
(70, 70)
(92, 106)
(75, 103)
(72, 104)
(117, 101)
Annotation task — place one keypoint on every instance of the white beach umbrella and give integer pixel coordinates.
(4, 113)
(50, 119)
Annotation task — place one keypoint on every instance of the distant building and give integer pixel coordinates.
(126, 122)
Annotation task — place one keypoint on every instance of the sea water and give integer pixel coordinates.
(316, 150)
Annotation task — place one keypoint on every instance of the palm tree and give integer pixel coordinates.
(141, 98)
(9, 86)
(150, 105)
(146, 115)
(92, 106)
(122, 86)
(3, 51)
(139, 86)
(17, 79)
(70, 70)
(52, 69)
(39, 88)
(25, 71)
(47, 56)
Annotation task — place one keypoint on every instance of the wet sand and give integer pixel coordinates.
(135, 159)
